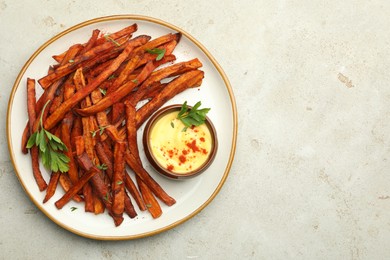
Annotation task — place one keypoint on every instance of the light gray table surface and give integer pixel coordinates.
(310, 178)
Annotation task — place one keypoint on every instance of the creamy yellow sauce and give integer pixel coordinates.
(177, 150)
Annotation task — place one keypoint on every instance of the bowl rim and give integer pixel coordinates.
(149, 155)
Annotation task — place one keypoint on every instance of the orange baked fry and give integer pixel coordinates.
(87, 46)
(92, 41)
(127, 31)
(168, 47)
(148, 180)
(117, 94)
(105, 158)
(187, 80)
(117, 111)
(51, 188)
(99, 187)
(75, 63)
(116, 137)
(158, 42)
(89, 203)
(117, 182)
(79, 149)
(54, 118)
(49, 93)
(129, 208)
(128, 69)
(158, 75)
(25, 137)
(76, 187)
(31, 102)
(152, 204)
(149, 93)
(66, 126)
(66, 184)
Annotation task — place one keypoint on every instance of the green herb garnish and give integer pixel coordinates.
(112, 77)
(172, 124)
(193, 116)
(119, 182)
(107, 197)
(100, 130)
(71, 61)
(50, 148)
(160, 52)
(73, 208)
(102, 167)
(135, 81)
(103, 91)
(108, 38)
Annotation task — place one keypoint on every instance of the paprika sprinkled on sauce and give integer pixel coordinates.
(177, 148)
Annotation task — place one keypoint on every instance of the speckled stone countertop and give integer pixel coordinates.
(310, 179)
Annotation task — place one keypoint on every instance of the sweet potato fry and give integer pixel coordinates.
(129, 208)
(79, 145)
(168, 47)
(135, 193)
(187, 80)
(75, 63)
(89, 203)
(128, 69)
(54, 118)
(98, 205)
(117, 182)
(66, 184)
(25, 137)
(157, 42)
(57, 100)
(66, 126)
(152, 204)
(117, 111)
(117, 94)
(76, 187)
(101, 148)
(99, 187)
(92, 41)
(31, 102)
(148, 180)
(127, 31)
(51, 188)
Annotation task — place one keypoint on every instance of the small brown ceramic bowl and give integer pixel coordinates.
(180, 153)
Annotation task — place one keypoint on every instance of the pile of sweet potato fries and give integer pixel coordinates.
(93, 96)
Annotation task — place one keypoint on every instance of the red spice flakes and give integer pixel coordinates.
(182, 159)
(170, 167)
(184, 152)
(202, 139)
(171, 153)
(192, 145)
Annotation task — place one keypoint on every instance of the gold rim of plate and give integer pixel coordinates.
(107, 19)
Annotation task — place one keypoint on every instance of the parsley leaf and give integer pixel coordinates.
(50, 148)
(160, 52)
(193, 116)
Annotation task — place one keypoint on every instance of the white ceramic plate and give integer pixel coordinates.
(191, 195)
